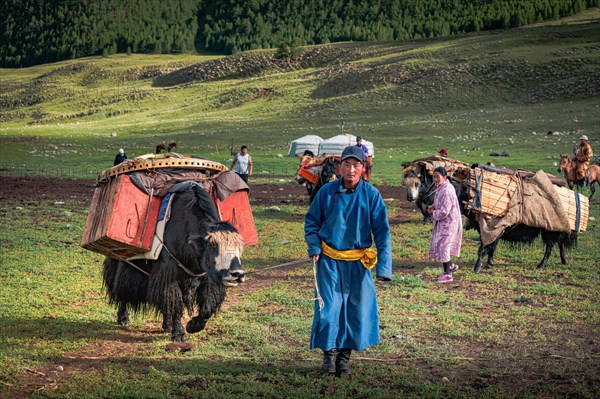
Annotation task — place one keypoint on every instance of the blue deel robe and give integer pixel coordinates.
(347, 220)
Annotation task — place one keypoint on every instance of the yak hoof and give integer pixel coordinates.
(477, 269)
(541, 265)
(195, 325)
(179, 337)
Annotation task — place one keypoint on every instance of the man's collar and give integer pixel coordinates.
(344, 189)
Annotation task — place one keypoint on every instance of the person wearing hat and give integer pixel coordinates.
(368, 158)
(583, 157)
(343, 220)
(121, 157)
(443, 152)
(363, 147)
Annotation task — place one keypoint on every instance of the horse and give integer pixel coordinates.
(518, 233)
(567, 167)
(200, 258)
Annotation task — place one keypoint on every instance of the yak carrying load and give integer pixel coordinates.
(517, 206)
(503, 197)
(418, 179)
(173, 230)
(124, 213)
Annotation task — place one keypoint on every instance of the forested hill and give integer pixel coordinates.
(41, 31)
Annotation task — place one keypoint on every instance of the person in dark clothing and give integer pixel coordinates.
(121, 157)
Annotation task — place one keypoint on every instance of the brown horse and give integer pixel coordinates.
(568, 168)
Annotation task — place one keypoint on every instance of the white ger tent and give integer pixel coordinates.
(336, 144)
(310, 143)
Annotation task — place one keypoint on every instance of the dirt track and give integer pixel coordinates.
(42, 188)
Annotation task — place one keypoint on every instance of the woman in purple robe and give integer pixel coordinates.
(446, 238)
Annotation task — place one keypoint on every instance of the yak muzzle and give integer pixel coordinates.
(234, 277)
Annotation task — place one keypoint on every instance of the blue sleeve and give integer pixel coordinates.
(312, 225)
(381, 233)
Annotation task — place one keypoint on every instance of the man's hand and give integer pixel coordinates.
(315, 258)
(430, 209)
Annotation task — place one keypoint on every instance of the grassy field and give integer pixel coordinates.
(474, 94)
(511, 332)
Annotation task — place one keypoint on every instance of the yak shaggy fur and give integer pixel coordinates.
(209, 249)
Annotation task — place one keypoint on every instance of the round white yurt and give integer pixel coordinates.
(336, 144)
(310, 143)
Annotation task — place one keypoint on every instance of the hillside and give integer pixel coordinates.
(496, 88)
(37, 32)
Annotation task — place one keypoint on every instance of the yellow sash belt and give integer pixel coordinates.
(367, 256)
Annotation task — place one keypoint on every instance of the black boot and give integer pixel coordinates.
(341, 362)
(329, 361)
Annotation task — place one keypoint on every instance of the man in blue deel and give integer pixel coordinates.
(340, 226)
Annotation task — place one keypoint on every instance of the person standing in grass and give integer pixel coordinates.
(446, 239)
(368, 158)
(344, 219)
(121, 157)
(242, 163)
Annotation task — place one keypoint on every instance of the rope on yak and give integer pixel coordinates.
(185, 269)
(136, 267)
(292, 263)
(298, 262)
(578, 212)
(477, 196)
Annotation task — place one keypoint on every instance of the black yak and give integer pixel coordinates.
(200, 258)
(518, 233)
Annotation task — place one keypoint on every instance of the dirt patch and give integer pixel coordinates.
(42, 188)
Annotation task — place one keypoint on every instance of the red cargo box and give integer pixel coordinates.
(307, 174)
(236, 210)
(122, 219)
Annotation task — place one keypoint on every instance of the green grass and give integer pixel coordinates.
(474, 94)
(53, 314)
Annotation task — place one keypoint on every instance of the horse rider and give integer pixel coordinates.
(582, 159)
(344, 219)
(368, 158)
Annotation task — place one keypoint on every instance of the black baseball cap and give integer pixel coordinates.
(353, 152)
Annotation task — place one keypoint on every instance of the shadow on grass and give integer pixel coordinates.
(65, 330)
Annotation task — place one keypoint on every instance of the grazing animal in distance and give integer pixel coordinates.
(200, 258)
